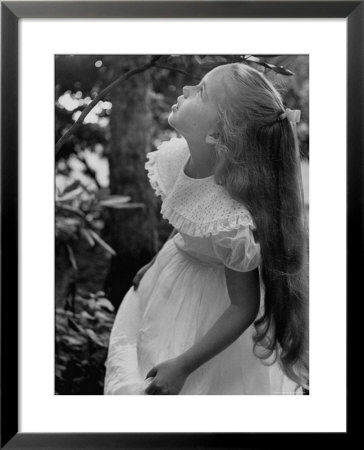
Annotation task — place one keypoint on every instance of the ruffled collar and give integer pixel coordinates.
(194, 206)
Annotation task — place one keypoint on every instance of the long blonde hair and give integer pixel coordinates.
(258, 162)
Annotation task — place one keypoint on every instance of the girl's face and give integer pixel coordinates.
(196, 111)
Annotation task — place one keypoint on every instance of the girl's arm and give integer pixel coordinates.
(243, 288)
(244, 293)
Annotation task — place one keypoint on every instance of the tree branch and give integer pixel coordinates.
(100, 96)
(110, 87)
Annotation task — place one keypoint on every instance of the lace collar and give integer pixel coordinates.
(194, 206)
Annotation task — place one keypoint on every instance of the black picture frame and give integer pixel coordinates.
(11, 12)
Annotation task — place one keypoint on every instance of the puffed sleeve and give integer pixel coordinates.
(237, 249)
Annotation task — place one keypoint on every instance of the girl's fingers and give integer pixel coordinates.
(152, 385)
(135, 282)
(152, 389)
(152, 373)
(158, 391)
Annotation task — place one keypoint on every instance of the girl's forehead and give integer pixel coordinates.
(215, 82)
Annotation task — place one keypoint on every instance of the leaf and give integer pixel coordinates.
(102, 316)
(69, 221)
(61, 329)
(199, 59)
(86, 315)
(73, 325)
(210, 59)
(71, 257)
(252, 58)
(129, 206)
(92, 335)
(70, 209)
(119, 202)
(72, 341)
(70, 195)
(102, 242)
(266, 56)
(112, 200)
(92, 304)
(278, 69)
(86, 234)
(74, 185)
(105, 303)
(59, 370)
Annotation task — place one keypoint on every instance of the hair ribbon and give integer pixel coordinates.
(293, 116)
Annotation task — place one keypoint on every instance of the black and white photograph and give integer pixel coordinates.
(181, 224)
(181, 215)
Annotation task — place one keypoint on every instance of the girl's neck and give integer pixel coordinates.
(202, 161)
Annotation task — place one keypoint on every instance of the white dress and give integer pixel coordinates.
(184, 292)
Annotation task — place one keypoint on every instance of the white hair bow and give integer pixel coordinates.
(293, 116)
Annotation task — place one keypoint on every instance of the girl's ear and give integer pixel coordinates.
(212, 137)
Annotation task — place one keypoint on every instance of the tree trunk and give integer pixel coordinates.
(132, 233)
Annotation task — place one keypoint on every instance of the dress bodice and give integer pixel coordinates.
(213, 227)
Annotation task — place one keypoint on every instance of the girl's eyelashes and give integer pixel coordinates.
(186, 90)
(199, 90)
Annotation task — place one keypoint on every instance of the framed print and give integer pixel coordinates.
(330, 34)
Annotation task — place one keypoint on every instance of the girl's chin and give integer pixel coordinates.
(171, 119)
(174, 123)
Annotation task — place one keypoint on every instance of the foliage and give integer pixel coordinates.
(82, 339)
(78, 214)
(79, 217)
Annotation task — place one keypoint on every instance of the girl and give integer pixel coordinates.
(222, 309)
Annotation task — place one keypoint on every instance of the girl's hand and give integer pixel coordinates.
(139, 275)
(169, 378)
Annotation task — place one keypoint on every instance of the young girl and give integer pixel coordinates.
(222, 308)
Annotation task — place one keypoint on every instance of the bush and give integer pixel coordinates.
(82, 338)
